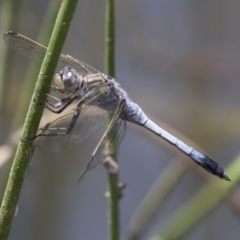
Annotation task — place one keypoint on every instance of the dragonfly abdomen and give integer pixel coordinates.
(198, 157)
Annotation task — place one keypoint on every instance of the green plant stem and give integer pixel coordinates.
(25, 149)
(114, 224)
(153, 201)
(201, 204)
(110, 39)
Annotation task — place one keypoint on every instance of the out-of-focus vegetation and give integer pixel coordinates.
(179, 61)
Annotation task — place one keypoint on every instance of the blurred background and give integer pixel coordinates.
(179, 60)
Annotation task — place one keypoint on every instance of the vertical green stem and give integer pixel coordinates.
(25, 149)
(110, 39)
(110, 70)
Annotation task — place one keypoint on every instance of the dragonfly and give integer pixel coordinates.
(95, 96)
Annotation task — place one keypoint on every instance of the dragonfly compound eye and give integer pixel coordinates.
(67, 80)
(70, 79)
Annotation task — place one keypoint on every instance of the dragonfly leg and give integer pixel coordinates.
(56, 131)
(58, 107)
(65, 130)
(56, 99)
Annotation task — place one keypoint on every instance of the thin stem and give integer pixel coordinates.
(110, 70)
(201, 204)
(110, 39)
(25, 149)
(154, 200)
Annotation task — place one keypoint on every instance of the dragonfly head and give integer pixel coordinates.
(67, 80)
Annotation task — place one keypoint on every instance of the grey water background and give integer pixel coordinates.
(179, 60)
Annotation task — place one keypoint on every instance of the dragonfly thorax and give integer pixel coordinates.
(67, 80)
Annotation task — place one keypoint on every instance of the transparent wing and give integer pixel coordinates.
(35, 52)
(83, 120)
(91, 118)
(111, 139)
